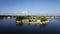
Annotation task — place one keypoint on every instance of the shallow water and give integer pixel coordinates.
(10, 26)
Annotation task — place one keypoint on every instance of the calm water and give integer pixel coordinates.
(10, 26)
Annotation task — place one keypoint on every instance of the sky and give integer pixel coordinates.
(30, 7)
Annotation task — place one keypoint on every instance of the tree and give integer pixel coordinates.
(43, 19)
(19, 18)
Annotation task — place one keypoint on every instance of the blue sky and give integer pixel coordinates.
(29, 7)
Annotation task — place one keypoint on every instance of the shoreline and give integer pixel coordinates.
(44, 22)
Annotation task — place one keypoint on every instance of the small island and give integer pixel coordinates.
(32, 19)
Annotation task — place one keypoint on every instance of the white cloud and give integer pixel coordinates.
(25, 12)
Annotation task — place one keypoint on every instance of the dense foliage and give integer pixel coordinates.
(43, 18)
(19, 18)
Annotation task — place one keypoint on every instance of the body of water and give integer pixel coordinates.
(10, 26)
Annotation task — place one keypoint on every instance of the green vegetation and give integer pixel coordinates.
(25, 17)
(19, 18)
(43, 18)
(33, 20)
(38, 17)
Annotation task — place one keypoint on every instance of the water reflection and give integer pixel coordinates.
(1, 18)
(19, 24)
(43, 25)
(39, 25)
